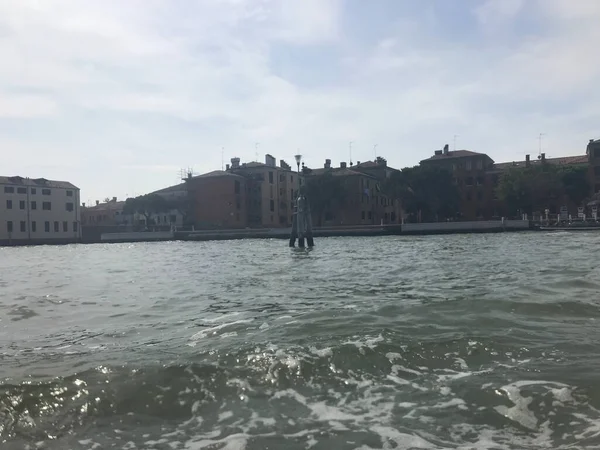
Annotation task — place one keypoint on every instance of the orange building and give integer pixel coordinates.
(218, 200)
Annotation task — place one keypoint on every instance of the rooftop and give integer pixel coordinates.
(453, 154)
(106, 206)
(561, 161)
(217, 173)
(36, 182)
(338, 172)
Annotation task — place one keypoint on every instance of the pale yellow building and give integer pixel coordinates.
(38, 211)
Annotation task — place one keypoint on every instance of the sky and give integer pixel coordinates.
(118, 96)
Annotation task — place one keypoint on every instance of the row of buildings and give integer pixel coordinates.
(257, 195)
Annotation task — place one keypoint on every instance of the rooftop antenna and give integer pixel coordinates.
(375, 151)
(540, 145)
(455, 136)
(350, 147)
(256, 150)
(222, 158)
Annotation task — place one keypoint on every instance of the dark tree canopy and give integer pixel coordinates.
(427, 190)
(536, 187)
(147, 205)
(325, 193)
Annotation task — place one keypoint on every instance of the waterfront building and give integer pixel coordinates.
(364, 201)
(477, 176)
(270, 191)
(108, 213)
(38, 211)
(593, 157)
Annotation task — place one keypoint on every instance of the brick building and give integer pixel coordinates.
(270, 191)
(218, 200)
(477, 177)
(365, 203)
(103, 214)
(593, 157)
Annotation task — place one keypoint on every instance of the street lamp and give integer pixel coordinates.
(298, 159)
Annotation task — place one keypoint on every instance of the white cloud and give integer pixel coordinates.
(131, 90)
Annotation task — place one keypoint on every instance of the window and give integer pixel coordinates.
(34, 205)
(65, 226)
(292, 179)
(468, 165)
(47, 227)
(479, 195)
(362, 215)
(454, 167)
(23, 226)
(45, 191)
(56, 227)
(69, 193)
(158, 219)
(237, 187)
(469, 196)
(33, 191)
(22, 204)
(21, 190)
(9, 226)
(75, 225)
(33, 226)
(238, 205)
(469, 181)
(46, 206)
(272, 205)
(393, 216)
(281, 178)
(271, 177)
(370, 215)
(9, 190)
(69, 207)
(8, 204)
(479, 181)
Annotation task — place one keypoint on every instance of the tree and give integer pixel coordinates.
(325, 193)
(427, 190)
(147, 205)
(576, 183)
(527, 189)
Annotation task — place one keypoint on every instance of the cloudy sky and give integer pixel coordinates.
(117, 96)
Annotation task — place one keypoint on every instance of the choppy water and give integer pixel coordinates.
(480, 341)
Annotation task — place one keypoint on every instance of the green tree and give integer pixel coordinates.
(576, 183)
(325, 193)
(147, 205)
(427, 190)
(528, 189)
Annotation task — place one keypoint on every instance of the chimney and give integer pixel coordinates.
(83, 205)
(114, 200)
(270, 161)
(527, 161)
(235, 163)
(358, 163)
(446, 149)
(97, 202)
(343, 165)
(543, 157)
(227, 167)
(328, 164)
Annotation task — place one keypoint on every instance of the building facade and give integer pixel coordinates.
(104, 214)
(477, 177)
(271, 191)
(38, 211)
(593, 157)
(364, 201)
(218, 200)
